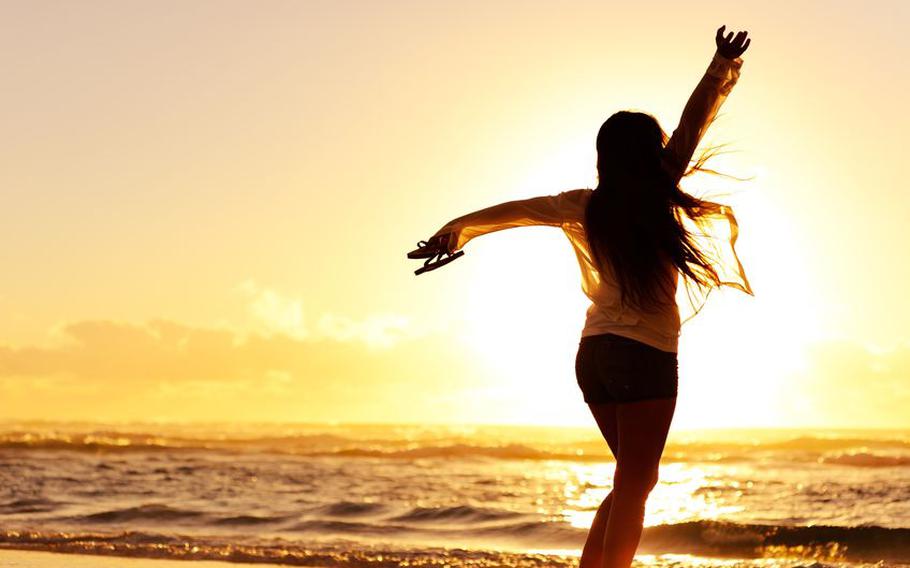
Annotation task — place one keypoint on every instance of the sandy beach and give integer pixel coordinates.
(33, 559)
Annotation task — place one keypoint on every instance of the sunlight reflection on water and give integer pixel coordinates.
(683, 492)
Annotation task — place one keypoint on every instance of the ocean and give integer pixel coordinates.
(380, 495)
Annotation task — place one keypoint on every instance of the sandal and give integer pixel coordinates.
(428, 249)
(441, 259)
(435, 251)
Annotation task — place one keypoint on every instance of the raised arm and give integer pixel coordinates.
(710, 93)
(553, 210)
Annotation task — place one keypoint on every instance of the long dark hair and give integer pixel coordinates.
(634, 220)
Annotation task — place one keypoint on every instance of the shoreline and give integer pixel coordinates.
(27, 558)
(459, 558)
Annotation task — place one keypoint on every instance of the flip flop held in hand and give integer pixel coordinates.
(437, 251)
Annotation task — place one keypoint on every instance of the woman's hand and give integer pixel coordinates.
(731, 46)
(444, 239)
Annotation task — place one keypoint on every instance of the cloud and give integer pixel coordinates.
(276, 312)
(289, 367)
(166, 350)
(123, 370)
(847, 384)
(375, 331)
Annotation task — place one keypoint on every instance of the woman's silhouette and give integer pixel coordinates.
(633, 235)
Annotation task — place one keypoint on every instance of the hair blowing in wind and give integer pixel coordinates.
(635, 220)
(638, 208)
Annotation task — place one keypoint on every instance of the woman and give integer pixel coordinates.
(633, 235)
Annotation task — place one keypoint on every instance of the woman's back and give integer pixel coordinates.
(657, 325)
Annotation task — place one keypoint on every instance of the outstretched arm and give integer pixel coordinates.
(553, 210)
(702, 106)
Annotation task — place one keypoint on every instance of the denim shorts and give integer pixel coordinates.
(613, 368)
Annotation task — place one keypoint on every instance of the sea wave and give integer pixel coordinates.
(706, 538)
(460, 513)
(250, 520)
(302, 446)
(461, 450)
(350, 508)
(21, 506)
(342, 517)
(866, 459)
(856, 451)
(150, 545)
(860, 543)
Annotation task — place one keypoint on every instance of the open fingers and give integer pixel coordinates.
(720, 33)
(733, 44)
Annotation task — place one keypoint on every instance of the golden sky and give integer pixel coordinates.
(206, 207)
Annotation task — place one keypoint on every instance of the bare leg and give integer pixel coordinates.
(642, 428)
(592, 553)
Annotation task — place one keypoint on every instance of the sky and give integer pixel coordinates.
(207, 205)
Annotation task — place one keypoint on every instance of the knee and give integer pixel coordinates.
(633, 482)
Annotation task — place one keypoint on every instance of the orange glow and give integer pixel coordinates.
(217, 209)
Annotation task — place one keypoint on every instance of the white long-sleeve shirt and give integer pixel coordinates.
(659, 327)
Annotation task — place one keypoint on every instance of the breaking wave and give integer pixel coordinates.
(863, 543)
